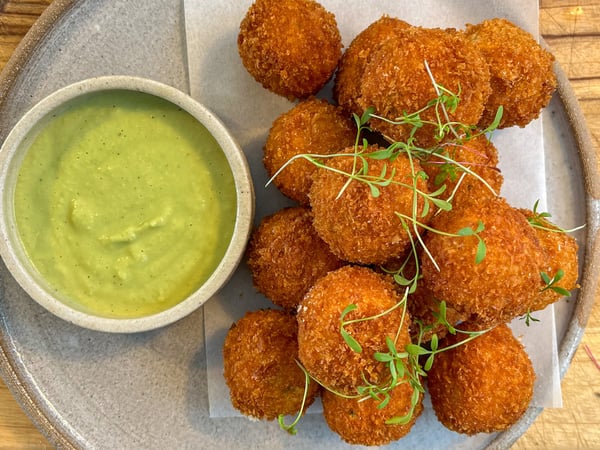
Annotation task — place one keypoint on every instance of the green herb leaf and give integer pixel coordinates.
(402, 281)
(382, 357)
(390, 345)
(374, 190)
(414, 349)
(529, 318)
(366, 115)
(382, 154)
(429, 362)
(546, 278)
(480, 227)
(442, 204)
(347, 310)
(384, 402)
(400, 368)
(467, 231)
(561, 291)
(433, 344)
(551, 283)
(481, 251)
(400, 420)
(291, 429)
(350, 341)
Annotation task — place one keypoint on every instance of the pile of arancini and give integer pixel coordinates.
(343, 242)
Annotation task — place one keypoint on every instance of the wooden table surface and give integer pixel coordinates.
(572, 29)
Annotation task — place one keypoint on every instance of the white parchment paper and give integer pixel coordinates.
(218, 79)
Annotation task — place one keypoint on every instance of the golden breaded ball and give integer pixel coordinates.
(313, 126)
(481, 386)
(395, 81)
(362, 422)
(321, 347)
(346, 89)
(286, 256)
(291, 47)
(522, 76)
(560, 253)
(500, 287)
(358, 226)
(260, 368)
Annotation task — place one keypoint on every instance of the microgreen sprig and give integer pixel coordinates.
(540, 219)
(404, 365)
(291, 428)
(481, 247)
(348, 339)
(528, 317)
(550, 283)
(463, 232)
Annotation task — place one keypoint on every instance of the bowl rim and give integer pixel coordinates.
(12, 153)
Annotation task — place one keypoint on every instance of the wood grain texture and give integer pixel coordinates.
(572, 30)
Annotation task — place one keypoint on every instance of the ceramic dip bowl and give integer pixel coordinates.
(126, 204)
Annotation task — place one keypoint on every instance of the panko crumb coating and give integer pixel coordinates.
(505, 283)
(291, 47)
(395, 80)
(363, 423)
(352, 65)
(313, 126)
(522, 76)
(478, 155)
(560, 253)
(321, 347)
(260, 368)
(286, 256)
(357, 226)
(482, 386)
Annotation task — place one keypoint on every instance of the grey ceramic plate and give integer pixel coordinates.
(86, 389)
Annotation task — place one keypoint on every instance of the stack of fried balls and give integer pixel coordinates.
(333, 257)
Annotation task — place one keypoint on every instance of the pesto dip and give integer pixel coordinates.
(124, 203)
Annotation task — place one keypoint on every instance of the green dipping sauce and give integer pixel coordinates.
(124, 203)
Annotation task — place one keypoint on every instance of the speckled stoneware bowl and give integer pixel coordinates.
(12, 250)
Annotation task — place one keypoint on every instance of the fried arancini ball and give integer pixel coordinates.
(313, 126)
(260, 367)
(291, 47)
(358, 226)
(560, 253)
(500, 287)
(286, 256)
(321, 348)
(361, 422)
(481, 386)
(478, 155)
(395, 80)
(522, 77)
(352, 65)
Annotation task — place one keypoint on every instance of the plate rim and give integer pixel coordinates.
(58, 434)
(54, 432)
(590, 277)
